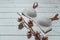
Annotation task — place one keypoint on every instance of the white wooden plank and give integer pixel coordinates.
(15, 15)
(49, 1)
(48, 10)
(12, 31)
(10, 9)
(9, 15)
(25, 38)
(15, 5)
(15, 38)
(38, 10)
(49, 5)
(9, 22)
(41, 1)
(19, 1)
(24, 5)
(53, 37)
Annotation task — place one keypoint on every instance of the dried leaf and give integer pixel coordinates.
(20, 26)
(29, 34)
(55, 17)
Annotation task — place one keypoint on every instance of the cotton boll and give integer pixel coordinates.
(30, 12)
(44, 22)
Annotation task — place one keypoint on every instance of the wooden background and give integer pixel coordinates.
(8, 18)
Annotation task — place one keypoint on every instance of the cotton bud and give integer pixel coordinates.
(45, 38)
(30, 23)
(29, 34)
(20, 19)
(20, 26)
(37, 36)
(35, 5)
(36, 33)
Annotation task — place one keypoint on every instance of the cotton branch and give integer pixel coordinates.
(30, 24)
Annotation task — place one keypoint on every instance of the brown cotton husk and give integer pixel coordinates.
(45, 38)
(35, 5)
(20, 26)
(30, 23)
(29, 34)
(37, 36)
(20, 19)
